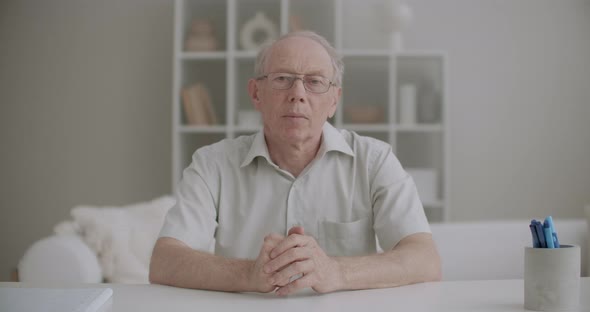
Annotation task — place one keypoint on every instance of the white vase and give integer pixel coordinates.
(407, 100)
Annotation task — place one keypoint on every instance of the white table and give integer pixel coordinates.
(493, 295)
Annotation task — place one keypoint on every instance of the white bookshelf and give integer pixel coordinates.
(373, 74)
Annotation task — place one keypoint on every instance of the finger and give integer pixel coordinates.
(296, 230)
(304, 282)
(284, 276)
(289, 256)
(273, 238)
(290, 242)
(269, 243)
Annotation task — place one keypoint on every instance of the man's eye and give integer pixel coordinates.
(314, 81)
(282, 78)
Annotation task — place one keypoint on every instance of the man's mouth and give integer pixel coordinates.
(295, 116)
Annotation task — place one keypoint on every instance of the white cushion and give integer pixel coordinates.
(122, 237)
(59, 259)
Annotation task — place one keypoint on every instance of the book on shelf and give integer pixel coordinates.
(198, 108)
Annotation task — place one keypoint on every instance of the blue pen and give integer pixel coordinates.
(548, 235)
(557, 245)
(540, 234)
(549, 220)
(536, 243)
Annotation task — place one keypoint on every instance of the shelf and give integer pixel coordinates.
(249, 129)
(245, 54)
(439, 204)
(359, 53)
(367, 127)
(203, 55)
(400, 128)
(420, 128)
(202, 129)
(419, 54)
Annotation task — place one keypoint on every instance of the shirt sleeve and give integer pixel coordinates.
(397, 209)
(193, 219)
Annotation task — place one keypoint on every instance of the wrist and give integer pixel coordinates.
(341, 278)
(249, 282)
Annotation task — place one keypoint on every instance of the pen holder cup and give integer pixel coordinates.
(552, 278)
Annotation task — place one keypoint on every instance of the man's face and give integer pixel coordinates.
(295, 115)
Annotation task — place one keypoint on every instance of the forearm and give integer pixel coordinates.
(413, 260)
(175, 264)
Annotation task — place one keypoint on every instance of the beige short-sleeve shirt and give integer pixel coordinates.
(354, 190)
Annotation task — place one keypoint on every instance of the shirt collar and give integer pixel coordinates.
(332, 140)
(258, 148)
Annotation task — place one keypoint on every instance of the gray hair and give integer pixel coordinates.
(337, 64)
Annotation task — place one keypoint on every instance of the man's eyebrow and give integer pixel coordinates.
(313, 72)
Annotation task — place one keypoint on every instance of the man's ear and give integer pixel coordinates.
(334, 104)
(253, 92)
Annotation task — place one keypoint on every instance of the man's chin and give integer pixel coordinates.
(294, 135)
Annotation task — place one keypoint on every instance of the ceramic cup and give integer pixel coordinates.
(552, 278)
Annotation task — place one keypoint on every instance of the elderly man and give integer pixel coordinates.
(299, 204)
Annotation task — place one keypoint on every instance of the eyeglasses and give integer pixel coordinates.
(311, 83)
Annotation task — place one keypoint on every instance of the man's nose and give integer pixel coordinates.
(297, 91)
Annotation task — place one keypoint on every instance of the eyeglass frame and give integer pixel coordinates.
(330, 83)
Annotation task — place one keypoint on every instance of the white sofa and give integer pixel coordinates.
(469, 251)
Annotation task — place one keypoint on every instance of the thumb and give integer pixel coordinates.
(296, 230)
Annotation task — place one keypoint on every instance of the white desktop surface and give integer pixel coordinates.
(492, 295)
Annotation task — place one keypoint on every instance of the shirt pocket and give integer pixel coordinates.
(354, 238)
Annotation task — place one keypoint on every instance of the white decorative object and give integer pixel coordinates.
(400, 17)
(249, 118)
(69, 257)
(258, 31)
(407, 99)
(426, 183)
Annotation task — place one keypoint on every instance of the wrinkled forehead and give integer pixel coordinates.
(299, 55)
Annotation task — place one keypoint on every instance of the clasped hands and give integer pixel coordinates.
(283, 258)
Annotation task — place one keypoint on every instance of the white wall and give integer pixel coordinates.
(85, 90)
(520, 103)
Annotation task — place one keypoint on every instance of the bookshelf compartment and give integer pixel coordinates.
(424, 73)
(422, 154)
(365, 95)
(256, 21)
(204, 23)
(379, 135)
(211, 75)
(245, 113)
